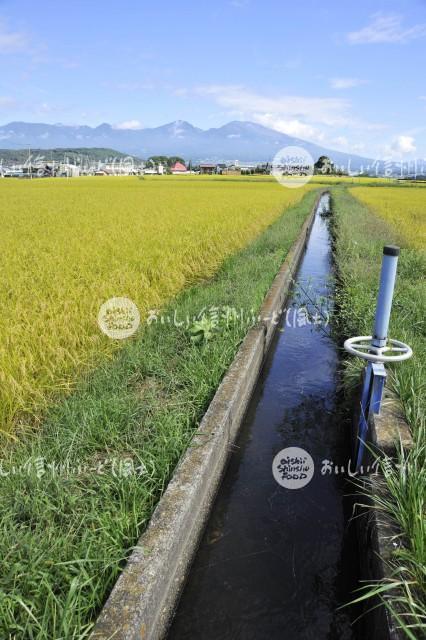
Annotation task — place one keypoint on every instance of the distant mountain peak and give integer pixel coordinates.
(103, 127)
(243, 140)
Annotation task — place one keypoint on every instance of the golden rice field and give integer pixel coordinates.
(348, 180)
(403, 208)
(67, 246)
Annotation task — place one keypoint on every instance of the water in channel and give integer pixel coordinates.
(277, 562)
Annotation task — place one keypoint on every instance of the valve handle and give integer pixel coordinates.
(361, 346)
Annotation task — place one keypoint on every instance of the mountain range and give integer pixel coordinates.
(237, 140)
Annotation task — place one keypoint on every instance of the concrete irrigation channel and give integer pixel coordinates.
(274, 561)
(277, 551)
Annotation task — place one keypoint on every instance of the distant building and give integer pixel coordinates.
(221, 168)
(154, 170)
(120, 168)
(264, 167)
(247, 169)
(68, 170)
(208, 168)
(13, 172)
(178, 168)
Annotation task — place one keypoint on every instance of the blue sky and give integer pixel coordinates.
(350, 76)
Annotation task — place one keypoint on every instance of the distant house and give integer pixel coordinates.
(208, 168)
(233, 169)
(178, 167)
(154, 170)
(247, 169)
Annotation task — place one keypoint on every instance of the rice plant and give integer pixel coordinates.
(403, 209)
(68, 246)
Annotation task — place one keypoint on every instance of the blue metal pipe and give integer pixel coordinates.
(363, 418)
(384, 299)
(375, 375)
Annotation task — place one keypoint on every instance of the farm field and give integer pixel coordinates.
(353, 180)
(68, 246)
(65, 540)
(405, 211)
(365, 220)
(213, 321)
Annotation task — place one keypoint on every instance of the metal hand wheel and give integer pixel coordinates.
(361, 346)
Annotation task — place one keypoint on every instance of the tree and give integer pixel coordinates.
(156, 160)
(166, 161)
(324, 165)
(173, 159)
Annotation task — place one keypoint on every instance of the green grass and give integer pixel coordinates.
(64, 536)
(359, 240)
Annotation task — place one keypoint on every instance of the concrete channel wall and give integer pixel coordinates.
(376, 532)
(143, 600)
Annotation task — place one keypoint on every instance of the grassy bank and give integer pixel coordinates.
(75, 497)
(360, 236)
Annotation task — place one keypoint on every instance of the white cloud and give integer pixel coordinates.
(422, 98)
(326, 121)
(292, 127)
(345, 83)
(386, 28)
(11, 41)
(310, 118)
(328, 111)
(129, 124)
(404, 144)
